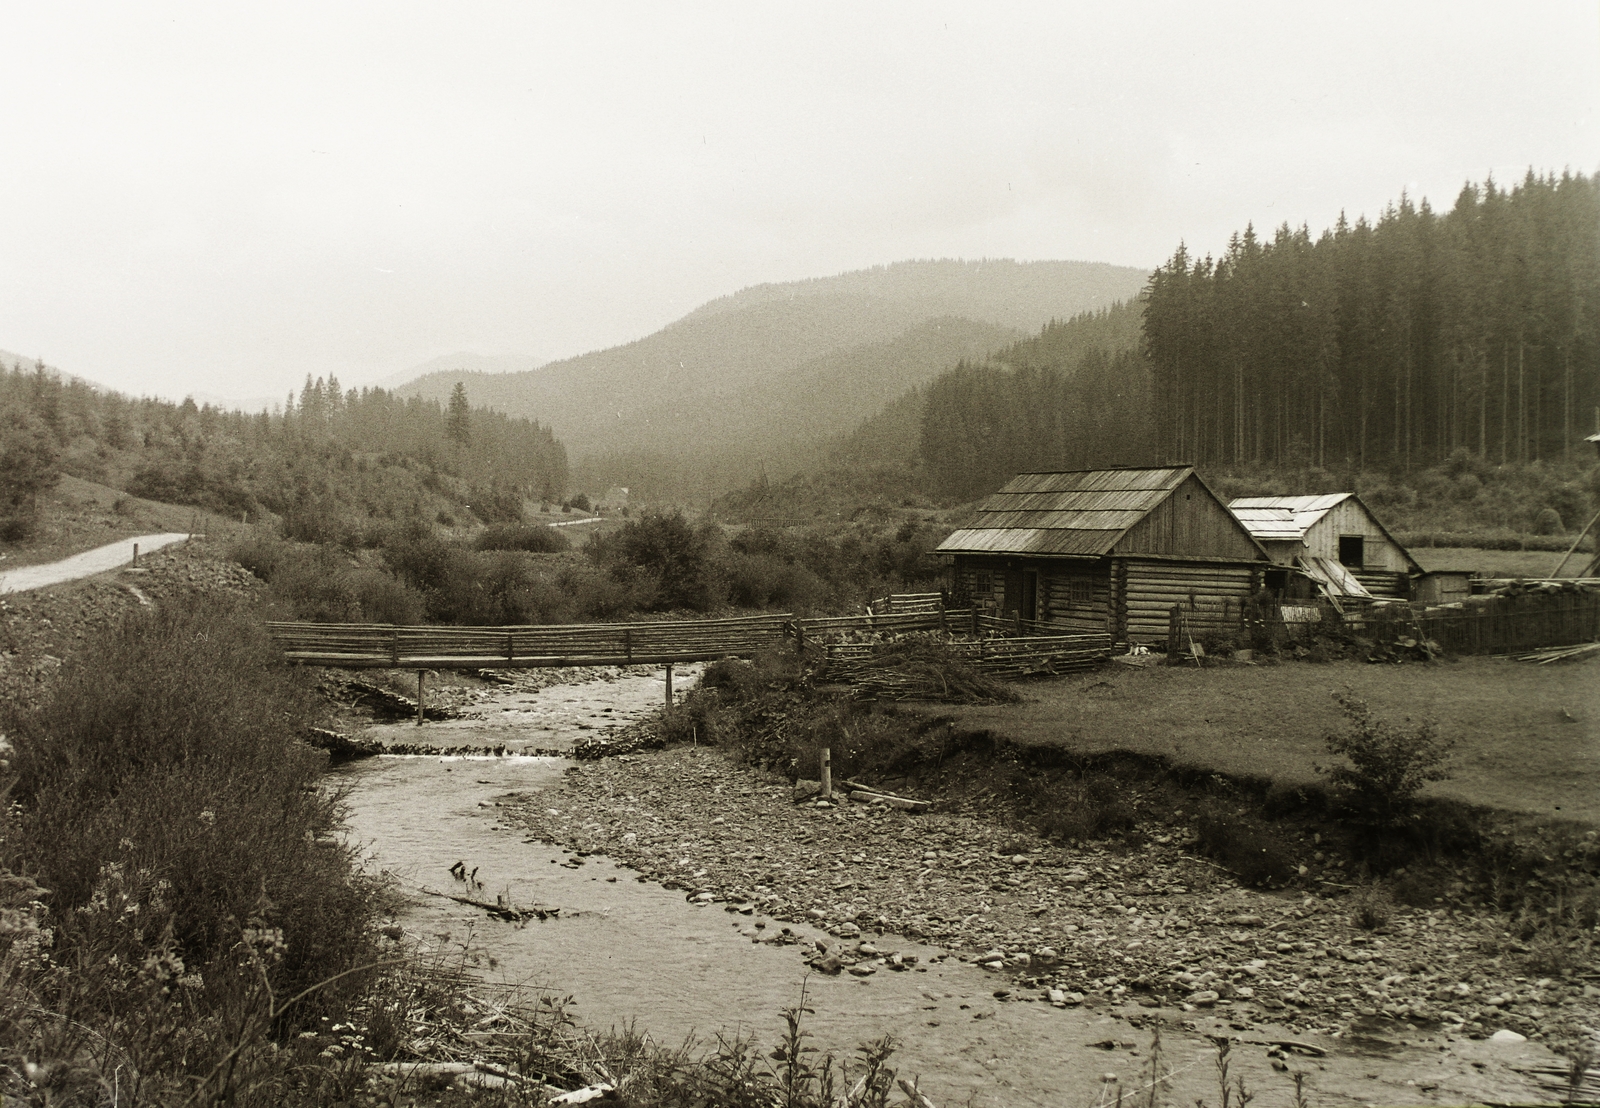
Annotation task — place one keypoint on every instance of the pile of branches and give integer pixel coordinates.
(917, 668)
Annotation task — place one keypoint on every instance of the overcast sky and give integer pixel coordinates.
(221, 198)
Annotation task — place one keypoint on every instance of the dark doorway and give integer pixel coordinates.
(1352, 551)
(1030, 594)
(1013, 599)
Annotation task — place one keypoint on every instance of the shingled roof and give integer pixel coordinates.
(1284, 518)
(1082, 512)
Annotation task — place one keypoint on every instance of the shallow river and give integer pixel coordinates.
(627, 950)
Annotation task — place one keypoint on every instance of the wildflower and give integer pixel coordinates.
(208, 817)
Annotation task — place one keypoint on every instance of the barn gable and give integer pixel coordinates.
(1191, 522)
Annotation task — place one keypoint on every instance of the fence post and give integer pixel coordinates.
(511, 648)
(394, 648)
(135, 553)
(1174, 633)
(422, 675)
(826, 759)
(799, 636)
(669, 684)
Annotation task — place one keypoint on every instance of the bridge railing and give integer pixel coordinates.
(358, 646)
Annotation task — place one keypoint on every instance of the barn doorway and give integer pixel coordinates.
(1352, 551)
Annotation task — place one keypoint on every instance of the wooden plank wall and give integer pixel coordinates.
(1213, 596)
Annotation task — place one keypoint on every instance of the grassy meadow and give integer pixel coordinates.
(1528, 736)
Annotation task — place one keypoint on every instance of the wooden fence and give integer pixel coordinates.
(857, 662)
(358, 646)
(1504, 624)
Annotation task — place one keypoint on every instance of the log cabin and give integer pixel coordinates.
(1108, 550)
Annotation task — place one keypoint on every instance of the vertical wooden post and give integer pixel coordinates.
(799, 636)
(669, 684)
(421, 678)
(826, 759)
(135, 553)
(1174, 619)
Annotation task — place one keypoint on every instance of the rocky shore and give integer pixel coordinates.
(1133, 924)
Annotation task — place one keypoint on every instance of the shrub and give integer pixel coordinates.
(1370, 907)
(1389, 765)
(1548, 522)
(1086, 806)
(672, 554)
(1244, 845)
(533, 538)
(163, 798)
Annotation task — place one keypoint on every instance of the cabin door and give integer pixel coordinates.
(1022, 592)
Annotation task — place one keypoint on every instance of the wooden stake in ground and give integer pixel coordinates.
(135, 553)
(669, 684)
(421, 675)
(826, 758)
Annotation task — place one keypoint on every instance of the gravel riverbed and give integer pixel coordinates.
(1115, 925)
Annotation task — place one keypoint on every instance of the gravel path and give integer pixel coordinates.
(101, 558)
(1104, 925)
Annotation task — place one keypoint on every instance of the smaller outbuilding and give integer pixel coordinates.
(1334, 539)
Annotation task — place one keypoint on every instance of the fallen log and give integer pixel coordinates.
(508, 912)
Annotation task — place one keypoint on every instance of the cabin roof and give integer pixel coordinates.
(1078, 512)
(1284, 518)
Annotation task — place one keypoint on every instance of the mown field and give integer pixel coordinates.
(1528, 737)
(1499, 563)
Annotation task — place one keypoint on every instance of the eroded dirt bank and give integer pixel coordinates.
(1123, 937)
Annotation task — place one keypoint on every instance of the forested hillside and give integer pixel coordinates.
(765, 378)
(1392, 343)
(327, 455)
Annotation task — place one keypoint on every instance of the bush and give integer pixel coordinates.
(164, 800)
(1389, 765)
(673, 555)
(533, 538)
(1244, 845)
(1086, 806)
(1370, 907)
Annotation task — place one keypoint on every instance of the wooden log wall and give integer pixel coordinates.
(1213, 596)
(1383, 584)
(1078, 599)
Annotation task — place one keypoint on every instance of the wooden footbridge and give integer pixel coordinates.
(664, 642)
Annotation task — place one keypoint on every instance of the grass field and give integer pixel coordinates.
(1528, 736)
(1499, 563)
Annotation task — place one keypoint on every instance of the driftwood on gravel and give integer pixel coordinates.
(501, 910)
(383, 703)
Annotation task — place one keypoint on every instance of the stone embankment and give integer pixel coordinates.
(1138, 925)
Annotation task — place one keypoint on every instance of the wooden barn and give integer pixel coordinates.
(1333, 538)
(1108, 550)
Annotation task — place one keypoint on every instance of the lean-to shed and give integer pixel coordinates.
(1108, 550)
(1332, 537)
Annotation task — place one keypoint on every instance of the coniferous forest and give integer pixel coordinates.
(1392, 343)
(1389, 346)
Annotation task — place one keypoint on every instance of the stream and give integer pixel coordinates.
(630, 951)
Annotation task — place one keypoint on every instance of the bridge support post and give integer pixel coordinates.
(669, 684)
(422, 676)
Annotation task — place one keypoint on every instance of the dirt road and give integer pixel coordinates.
(87, 564)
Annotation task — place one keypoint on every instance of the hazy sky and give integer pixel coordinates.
(222, 197)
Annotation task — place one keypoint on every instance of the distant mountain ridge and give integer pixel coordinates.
(774, 371)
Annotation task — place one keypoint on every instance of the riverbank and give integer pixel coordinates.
(1121, 924)
(670, 955)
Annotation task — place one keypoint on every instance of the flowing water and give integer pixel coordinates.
(627, 950)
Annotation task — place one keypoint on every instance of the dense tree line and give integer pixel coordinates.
(325, 452)
(1388, 344)
(1076, 395)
